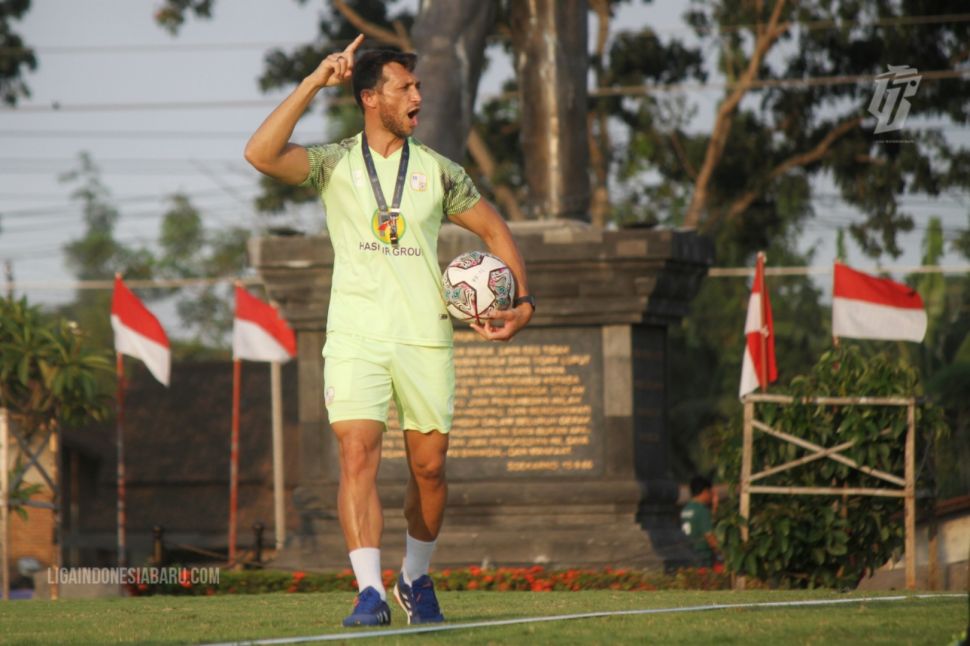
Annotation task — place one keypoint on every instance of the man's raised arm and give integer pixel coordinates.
(269, 149)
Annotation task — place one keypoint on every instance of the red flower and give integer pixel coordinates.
(299, 576)
(473, 585)
(184, 580)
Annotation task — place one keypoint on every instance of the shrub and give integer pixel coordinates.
(812, 541)
(534, 579)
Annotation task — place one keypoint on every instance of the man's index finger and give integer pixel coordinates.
(352, 47)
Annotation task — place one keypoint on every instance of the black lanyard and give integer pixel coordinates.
(387, 215)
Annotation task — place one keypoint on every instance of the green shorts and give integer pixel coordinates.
(361, 375)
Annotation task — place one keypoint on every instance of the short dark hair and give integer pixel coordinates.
(699, 484)
(369, 69)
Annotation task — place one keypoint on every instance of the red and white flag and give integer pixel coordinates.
(138, 333)
(758, 366)
(866, 307)
(259, 333)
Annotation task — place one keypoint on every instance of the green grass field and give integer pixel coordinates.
(180, 620)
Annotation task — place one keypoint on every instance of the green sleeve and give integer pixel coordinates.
(323, 159)
(460, 193)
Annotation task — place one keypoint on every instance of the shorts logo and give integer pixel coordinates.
(329, 395)
(419, 182)
(382, 226)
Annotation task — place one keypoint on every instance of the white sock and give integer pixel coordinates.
(417, 558)
(366, 562)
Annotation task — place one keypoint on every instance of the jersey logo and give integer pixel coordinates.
(382, 226)
(419, 182)
(358, 176)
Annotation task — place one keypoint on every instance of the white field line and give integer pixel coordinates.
(585, 615)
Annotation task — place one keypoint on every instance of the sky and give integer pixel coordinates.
(123, 85)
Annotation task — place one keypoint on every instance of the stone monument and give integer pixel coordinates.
(558, 455)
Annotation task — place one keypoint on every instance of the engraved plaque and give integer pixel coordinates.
(531, 407)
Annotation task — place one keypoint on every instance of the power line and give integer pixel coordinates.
(808, 25)
(131, 199)
(57, 106)
(824, 270)
(139, 134)
(156, 172)
(596, 92)
(757, 84)
(109, 284)
(235, 136)
(124, 217)
(714, 272)
(122, 48)
(815, 25)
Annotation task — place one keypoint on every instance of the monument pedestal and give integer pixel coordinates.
(558, 454)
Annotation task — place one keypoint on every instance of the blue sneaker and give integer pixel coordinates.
(369, 610)
(418, 600)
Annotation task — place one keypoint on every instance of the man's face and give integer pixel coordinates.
(399, 100)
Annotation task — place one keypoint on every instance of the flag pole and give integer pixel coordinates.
(234, 460)
(279, 506)
(4, 504)
(120, 439)
(763, 289)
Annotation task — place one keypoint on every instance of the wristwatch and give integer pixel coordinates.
(531, 300)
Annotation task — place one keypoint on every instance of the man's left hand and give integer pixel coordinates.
(515, 319)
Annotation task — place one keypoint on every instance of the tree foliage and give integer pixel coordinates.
(15, 56)
(811, 129)
(49, 371)
(813, 541)
(51, 376)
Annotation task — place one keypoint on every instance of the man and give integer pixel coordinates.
(695, 519)
(388, 332)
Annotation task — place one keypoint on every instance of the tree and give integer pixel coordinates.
(944, 360)
(812, 122)
(185, 250)
(15, 56)
(50, 376)
(97, 254)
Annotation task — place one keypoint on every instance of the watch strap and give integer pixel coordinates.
(531, 300)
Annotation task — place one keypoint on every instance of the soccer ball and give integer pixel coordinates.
(476, 285)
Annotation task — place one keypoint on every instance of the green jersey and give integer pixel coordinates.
(381, 290)
(695, 520)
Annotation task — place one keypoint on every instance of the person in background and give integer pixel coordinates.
(696, 519)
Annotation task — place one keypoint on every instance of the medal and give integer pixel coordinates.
(387, 216)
